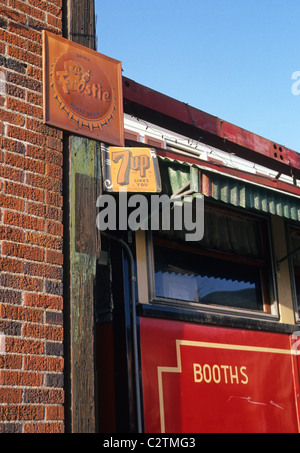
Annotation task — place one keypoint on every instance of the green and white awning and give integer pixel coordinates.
(227, 189)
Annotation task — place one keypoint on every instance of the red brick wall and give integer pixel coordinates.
(31, 230)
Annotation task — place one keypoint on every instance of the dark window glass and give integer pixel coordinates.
(229, 267)
(206, 280)
(297, 284)
(295, 248)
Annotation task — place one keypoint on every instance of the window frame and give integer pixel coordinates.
(148, 290)
(293, 271)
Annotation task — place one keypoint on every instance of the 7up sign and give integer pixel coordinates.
(135, 169)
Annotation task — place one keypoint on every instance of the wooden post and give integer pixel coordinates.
(83, 181)
(80, 24)
(85, 169)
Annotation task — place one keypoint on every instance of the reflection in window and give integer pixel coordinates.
(229, 267)
(205, 280)
(295, 247)
(297, 285)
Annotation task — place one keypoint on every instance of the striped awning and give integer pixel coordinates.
(229, 190)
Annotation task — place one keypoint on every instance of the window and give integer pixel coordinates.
(295, 250)
(230, 267)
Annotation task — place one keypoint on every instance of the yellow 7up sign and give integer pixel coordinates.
(133, 169)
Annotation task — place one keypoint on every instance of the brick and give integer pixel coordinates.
(9, 395)
(11, 361)
(43, 240)
(43, 428)
(14, 15)
(43, 363)
(23, 107)
(26, 9)
(21, 412)
(2, 51)
(31, 230)
(44, 182)
(54, 143)
(37, 75)
(43, 396)
(11, 265)
(54, 380)
(54, 317)
(13, 64)
(54, 157)
(35, 152)
(25, 32)
(54, 348)
(3, 20)
(23, 55)
(36, 24)
(23, 191)
(54, 413)
(54, 213)
(25, 135)
(36, 209)
(33, 124)
(17, 160)
(42, 270)
(54, 228)
(11, 328)
(12, 117)
(11, 203)
(22, 251)
(13, 234)
(20, 378)
(34, 98)
(52, 132)
(47, 6)
(21, 282)
(12, 145)
(45, 301)
(24, 346)
(21, 313)
(11, 173)
(10, 38)
(54, 287)
(54, 199)
(15, 91)
(46, 332)
(23, 220)
(54, 257)
(34, 47)
(58, 2)
(10, 428)
(25, 81)
(54, 21)
(10, 296)
(54, 171)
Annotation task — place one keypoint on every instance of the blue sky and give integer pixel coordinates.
(233, 59)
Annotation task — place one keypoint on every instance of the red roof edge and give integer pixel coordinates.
(182, 118)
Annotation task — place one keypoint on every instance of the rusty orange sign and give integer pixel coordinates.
(82, 90)
(133, 169)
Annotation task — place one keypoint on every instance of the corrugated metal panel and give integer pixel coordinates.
(245, 195)
(232, 191)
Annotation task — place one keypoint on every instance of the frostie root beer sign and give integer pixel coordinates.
(82, 90)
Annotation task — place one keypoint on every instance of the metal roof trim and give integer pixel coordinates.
(226, 175)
